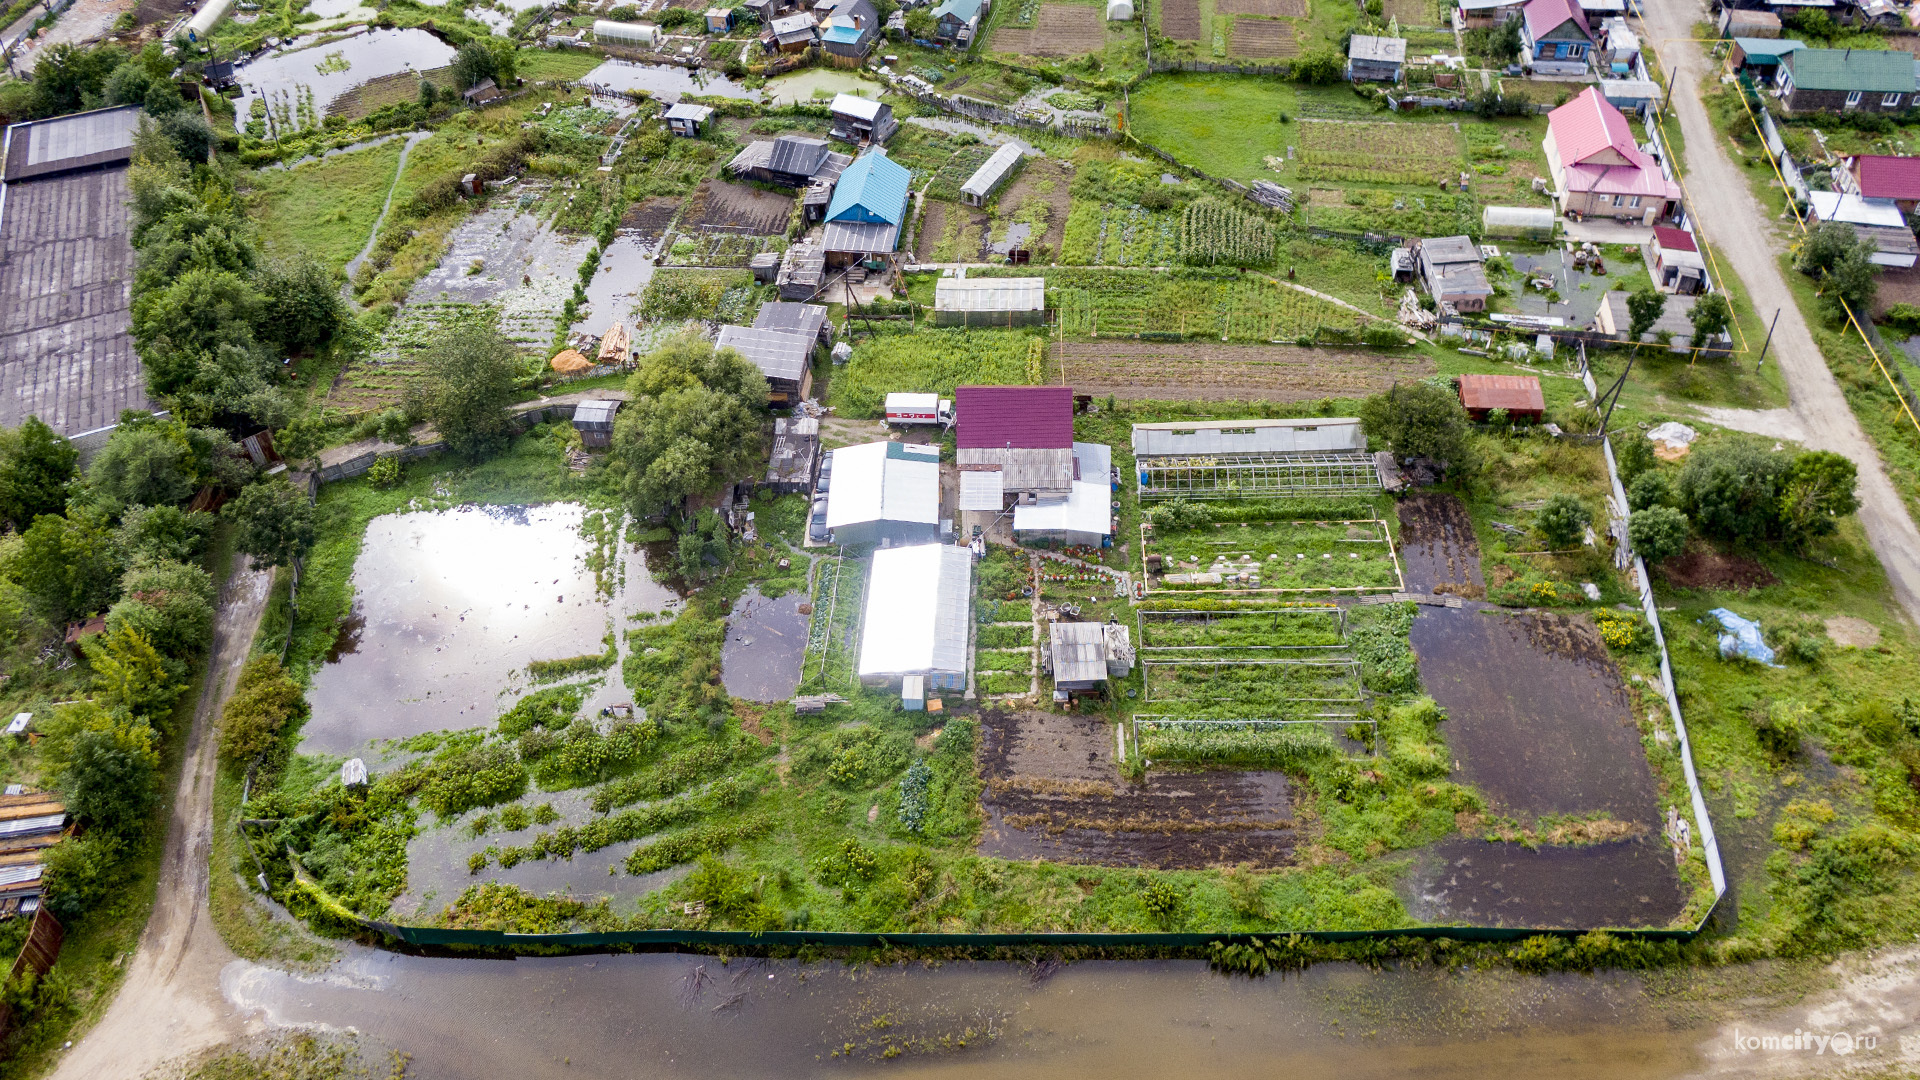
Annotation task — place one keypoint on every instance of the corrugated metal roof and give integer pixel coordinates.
(806, 319)
(964, 10)
(1545, 16)
(1877, 70)
(1079, 652)
(1673, 239)
(1386, 50)
(980, 490)
(1854, 210)
(855, 106)
(884, 481)
(917, 609)
(873, 188)
(757, 155)
(1450, 249)
(1093, 462)
(990, 294)
(79, 140)
(1589, 125)
(31, 825)
(1521, 392)
(1771, 47)
(1022, 417)
(860, 237)
(1883, 176)
(687, 111)
(595, 412)
(779, 354)
(20, 875)
(1247, 436)
(1088, 510)
(843, 35)
(797, 154)
(788, 24)
(992, 171)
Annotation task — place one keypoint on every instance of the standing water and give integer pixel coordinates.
(327, 70)
(766, 641)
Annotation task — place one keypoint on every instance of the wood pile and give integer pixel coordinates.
(1412, 314)
(1268, 193)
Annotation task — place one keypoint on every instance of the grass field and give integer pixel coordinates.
(568, 64)
(1284, 555)
(1107, 303)
(326, 208)
(1221, 124)
(933, 361)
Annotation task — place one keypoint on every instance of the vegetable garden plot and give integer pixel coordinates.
(958, 168)
(1294, 9)
(1234, 309)
(1109, 234)
(834, 628)
(380, 379)
(1180, 19)
(933, 361)
(1288, 686)
(1246, 744)
(1274, 556)
(1378, 153)
(1197, 371)
(1263, 39)
(1202, 634)
(677, 294)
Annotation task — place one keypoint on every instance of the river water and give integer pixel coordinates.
(668, 1015)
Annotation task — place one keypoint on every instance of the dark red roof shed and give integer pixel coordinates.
(1518, 394)
(1020, 417)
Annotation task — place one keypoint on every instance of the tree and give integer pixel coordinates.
(105, 764)
(168, 603)
(145, 464)
(180, 325)
(130, 674)
(272, 522)
(694, 421)
(1710, 316)
(163, 533)
(920, 24)
(1644, 308)
(1322, 67)
(703, 546)
(36, 465)
(1834, 253)
(69, 565)
(1563, 521)
(1730, 488)
(470, 374)
(1819, 488)
(1657, 533)
(189, 133)
(1419, 420)
(303, 307)
(67, 78)
(262, 703)
(474, 64)
(1633, 454)
(1651, 488)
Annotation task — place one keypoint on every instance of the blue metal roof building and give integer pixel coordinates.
(872, 191)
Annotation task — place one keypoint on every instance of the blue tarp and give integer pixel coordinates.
(1742, 637)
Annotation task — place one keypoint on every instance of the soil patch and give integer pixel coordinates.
(1180, 19)
(1052, 792)
(1263, 39)
(375, 93)
(1192, 371)
(1850, 632)
(1412, 12)
(1619, 883)
(651, 217)
(1059, 30)
(1701, 567)
(1438, 550)
(969, 228)
(1295, 9)
(718, 205)
(1036, 174)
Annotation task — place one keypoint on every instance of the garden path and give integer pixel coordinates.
(374, 233)
(1747, 238)
(171, 1002)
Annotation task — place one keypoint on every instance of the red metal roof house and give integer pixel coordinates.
(1598, 169)
(1021, 435)
(1556, 36)
(1518, 394)
(1674, 262)
(1883, 176)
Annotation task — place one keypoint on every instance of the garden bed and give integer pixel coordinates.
(1274, 557)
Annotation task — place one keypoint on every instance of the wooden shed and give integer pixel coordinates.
(594, 421)
(1519, 395)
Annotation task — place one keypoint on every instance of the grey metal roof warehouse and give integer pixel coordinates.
(779, 354)
(80, 141)
(1247, 436)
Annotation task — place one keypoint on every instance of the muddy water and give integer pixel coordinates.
(799, 87)
(766, 640)
(665, 81)
(332, 69)
(672, 1016)
(626, 266)
(453, 605)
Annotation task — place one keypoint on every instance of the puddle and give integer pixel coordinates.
(766, 640)
(508, 255)
(329, 70)
(332, 9)
(1576, 305)
(625, 268)
(799, 87)
(454, 604)
(665, 81)
(1620, 883)
(500, 24)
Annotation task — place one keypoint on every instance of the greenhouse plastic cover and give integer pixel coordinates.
(1742, 637)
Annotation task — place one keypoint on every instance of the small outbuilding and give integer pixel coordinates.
(1614, 320)
(785, 357)
(916, 630)
(1518, 222)
(989, 301)
(990, 175)
(1025, 433)
(957, 20)
(687, 119)
(1085, 654)
(862, 121)
(1877, 222)
(1085, 516)
(1452, 270)
(594, 421)
(793, 33)
(1761, 56)
(1673, 261)
(1519, 395)
(485, 93)
(796, 450)
(885, 491)
(720, 20)
(1119, 10)
(1737, 23)
(805, 319)
(1376, 59)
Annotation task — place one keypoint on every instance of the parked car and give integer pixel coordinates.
(817, 523)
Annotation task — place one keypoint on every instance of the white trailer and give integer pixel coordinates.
(904, 409)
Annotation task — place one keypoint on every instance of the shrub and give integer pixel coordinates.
(259, 709)
(913, 796)
(1563, 521)
(1322, 67)
(1650, 489)
(1657, 533)
(1182, 514)
(1161, 899)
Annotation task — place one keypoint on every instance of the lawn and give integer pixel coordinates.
(325, 208)
(933, 361)
(1223, 125)
(556, 64)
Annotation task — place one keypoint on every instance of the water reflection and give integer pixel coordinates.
(766, 641)
(665, 81)
(453, 605)
(331, 69)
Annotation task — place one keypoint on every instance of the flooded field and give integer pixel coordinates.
(665, 81)
(506, 256)
(1628, 882)
(625, 268)
(1052, 792)
(316, 74)
(450, 606)
(673, 1016)
(801, 85)
(766, 641)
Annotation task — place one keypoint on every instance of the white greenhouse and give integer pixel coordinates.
(608, 32)
(1119, 10)
(1518, 222)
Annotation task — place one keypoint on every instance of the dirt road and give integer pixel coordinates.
(1749, 238)
(170, 1003)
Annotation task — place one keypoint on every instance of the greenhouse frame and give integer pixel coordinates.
(1243, 459)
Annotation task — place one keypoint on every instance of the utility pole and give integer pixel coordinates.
(1672, 73)
(1769, 341)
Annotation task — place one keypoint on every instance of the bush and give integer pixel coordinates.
(262, 703)
(1181, 514)
(1161, 899)
(1730, 488)
(1657, 533)
(1563, 521)
(1322, 67)
(1650, 489)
